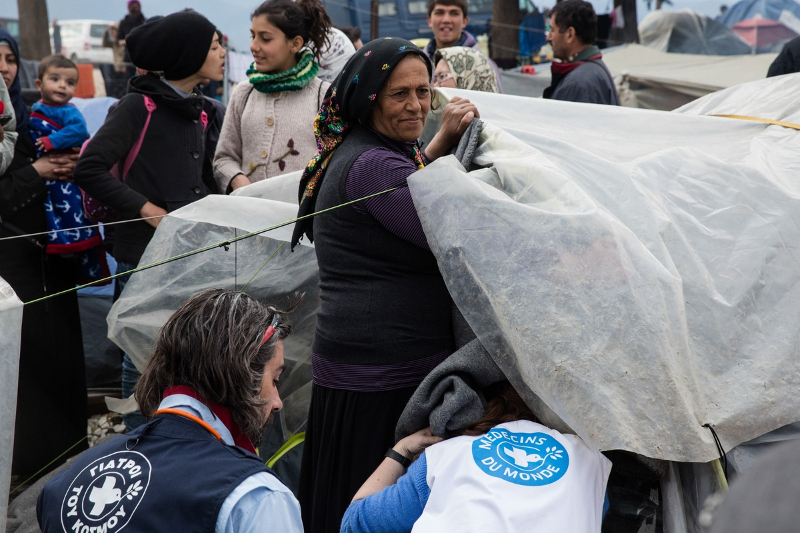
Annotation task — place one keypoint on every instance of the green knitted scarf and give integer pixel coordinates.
(293, 79)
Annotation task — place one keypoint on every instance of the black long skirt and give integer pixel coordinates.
(347, 436)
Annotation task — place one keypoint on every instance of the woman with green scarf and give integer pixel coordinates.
(269, 126)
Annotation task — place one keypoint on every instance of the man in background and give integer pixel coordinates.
(447, 19)
(581, 76)
(132, 20)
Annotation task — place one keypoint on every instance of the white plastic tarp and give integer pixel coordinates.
(636, 269)
(151, 296)
(10, 336)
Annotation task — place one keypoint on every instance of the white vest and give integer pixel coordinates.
(521, 476)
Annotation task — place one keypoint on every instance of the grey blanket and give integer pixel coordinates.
(465, 151)
(449, 398)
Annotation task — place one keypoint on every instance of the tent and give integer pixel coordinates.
(768, 9)
(688, 32)
(761, 33)
(650, 79)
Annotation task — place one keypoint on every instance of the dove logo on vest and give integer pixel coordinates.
(531, 459)
(104, 496)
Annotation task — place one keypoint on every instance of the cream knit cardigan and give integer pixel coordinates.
(262, 130)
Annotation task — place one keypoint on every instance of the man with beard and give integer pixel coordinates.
(581, 75)
(209, 389)
(132, 20)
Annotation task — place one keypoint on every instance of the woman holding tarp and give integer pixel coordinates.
(51, 398)
(268, 128)
(385, 314)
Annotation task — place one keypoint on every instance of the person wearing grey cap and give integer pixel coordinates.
(179, 51)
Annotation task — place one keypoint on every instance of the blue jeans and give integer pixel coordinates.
(130, 375)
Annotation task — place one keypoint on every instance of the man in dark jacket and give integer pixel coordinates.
(132, 20)
(447, 19)
(581, 76)
(788, 61)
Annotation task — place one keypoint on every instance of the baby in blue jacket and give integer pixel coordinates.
(55, 123)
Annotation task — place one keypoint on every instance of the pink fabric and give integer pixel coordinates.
(204, 120)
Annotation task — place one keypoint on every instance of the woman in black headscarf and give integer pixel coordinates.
(51, 398)
(384, 318)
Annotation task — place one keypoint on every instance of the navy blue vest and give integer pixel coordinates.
(169, 475)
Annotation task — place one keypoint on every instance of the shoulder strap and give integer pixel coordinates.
(246, 98)
(319, 96)
(150, 105)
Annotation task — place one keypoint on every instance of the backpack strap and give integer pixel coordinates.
(150, 105)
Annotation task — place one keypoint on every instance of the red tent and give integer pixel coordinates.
(760, 32)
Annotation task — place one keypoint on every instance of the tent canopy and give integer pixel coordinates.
(688, 32)
(768, 9)
(762, 33)
(650, 79)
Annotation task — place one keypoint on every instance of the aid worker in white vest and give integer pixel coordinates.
(506, 473)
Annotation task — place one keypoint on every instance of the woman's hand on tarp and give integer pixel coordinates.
(456, 118)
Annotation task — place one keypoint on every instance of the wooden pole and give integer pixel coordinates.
(505, 33)
(34, 32)
(373, 20)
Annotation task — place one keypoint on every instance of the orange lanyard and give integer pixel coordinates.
(190, 417)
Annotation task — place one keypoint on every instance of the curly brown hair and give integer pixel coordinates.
(212, 344)
(505, 405)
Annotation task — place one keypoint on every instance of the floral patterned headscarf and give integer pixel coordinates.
(470, 68)
(347, 103)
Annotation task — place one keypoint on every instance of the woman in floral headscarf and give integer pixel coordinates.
(463, 68)
(385, 314)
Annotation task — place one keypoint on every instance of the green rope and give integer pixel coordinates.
(262, 266)
(224, 244)
(45, 467)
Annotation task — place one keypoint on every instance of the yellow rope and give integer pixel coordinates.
(764, 120)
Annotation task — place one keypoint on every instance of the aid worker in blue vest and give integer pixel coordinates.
(208, 390)
(506, 473)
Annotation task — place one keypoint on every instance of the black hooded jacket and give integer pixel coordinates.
(169, 168)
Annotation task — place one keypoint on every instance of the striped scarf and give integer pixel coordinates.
(294, 79)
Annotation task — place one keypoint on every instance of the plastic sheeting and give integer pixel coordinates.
(689, 32)
(10, 336)
(637, 270)
(151, 296)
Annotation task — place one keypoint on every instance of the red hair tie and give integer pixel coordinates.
(270, 330)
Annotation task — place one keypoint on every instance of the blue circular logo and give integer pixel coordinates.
(106, 493)
(530, 459)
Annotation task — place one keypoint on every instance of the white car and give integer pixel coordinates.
(82, 40)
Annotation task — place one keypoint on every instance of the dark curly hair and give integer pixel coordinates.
(579, 15)
(212, 344)
(306, 18)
